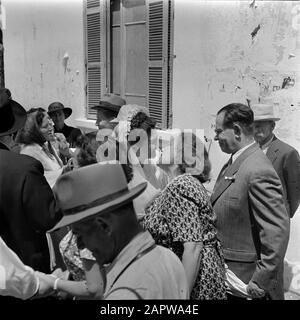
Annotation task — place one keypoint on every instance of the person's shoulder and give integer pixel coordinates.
(185, 183)
(21, 162)
(184, 179)
(257, 164)
(285, 148)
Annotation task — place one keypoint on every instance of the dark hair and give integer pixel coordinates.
(143, 122)
(203, 154)
(240, 113)
(109, 114)
(88, 147)
(31, 133)
(7, 91)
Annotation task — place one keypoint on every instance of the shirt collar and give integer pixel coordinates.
(267, 144)
(140, 242)
(239, 152)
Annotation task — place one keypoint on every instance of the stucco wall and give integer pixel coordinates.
(37, 37)
(218, 61)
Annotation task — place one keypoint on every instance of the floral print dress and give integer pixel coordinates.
(182, 213)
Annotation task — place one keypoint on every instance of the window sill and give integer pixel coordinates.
(85, 124)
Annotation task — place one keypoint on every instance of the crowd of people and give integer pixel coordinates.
(103, 215)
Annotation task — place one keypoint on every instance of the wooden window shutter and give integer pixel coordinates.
(95, 40)
(159, 31)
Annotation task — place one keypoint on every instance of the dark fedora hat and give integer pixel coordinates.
(110, 101)
(55, 106)
(92, 190)
(12, 115)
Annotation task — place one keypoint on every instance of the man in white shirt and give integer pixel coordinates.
(18, 280)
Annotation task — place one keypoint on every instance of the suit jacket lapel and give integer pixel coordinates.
(272, 150)
(228, 177)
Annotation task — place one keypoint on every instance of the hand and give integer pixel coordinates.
(69, 166)
(255, 291)
(46, 284)
(63, 145)
(61, 274)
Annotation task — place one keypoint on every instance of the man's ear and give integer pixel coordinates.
(237, 130)
(103, 225)
(273, 125)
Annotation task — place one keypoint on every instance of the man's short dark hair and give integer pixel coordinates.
(238, 113)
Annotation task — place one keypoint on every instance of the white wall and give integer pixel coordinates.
(217, 63)
(37, 36)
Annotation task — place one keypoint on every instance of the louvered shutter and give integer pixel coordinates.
(95, 35)
(159, 53)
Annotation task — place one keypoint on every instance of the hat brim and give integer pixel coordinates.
(266, 119)
(108, 206)
(67, 111)
(106, 106)
(20, 116)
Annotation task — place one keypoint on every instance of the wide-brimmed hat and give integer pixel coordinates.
(110, 101)
(92, 190)
(55, 106)
(263, 112)
(12, 115)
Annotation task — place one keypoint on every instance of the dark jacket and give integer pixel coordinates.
(27, 208)
(286, 162)
(70, 133)
(252, 221)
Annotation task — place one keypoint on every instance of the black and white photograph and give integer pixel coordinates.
(149, 150)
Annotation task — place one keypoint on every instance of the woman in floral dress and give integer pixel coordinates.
(181, 218)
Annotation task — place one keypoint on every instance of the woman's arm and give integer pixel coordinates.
(191, 261)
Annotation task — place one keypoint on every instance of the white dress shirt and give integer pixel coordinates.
(239, 152)
(16, 279)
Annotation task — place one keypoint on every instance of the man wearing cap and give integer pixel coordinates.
(27, 204)
(107, 110)
(97, 203)
(58, 113)
(285, 159)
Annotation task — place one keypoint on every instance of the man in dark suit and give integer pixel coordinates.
(285, 159)
(27, 205)
(252, 221)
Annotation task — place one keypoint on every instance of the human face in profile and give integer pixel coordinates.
(46, 127)
(225, 136)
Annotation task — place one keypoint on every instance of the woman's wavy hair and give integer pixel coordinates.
(88, 146)
(198, 151)
(31, 132)
(144, 122)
